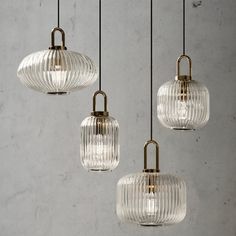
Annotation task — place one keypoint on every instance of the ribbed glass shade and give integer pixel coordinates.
(99, 147)
(57, 71)
(183, 105)
(151, 199)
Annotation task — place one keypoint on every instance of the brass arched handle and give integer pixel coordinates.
(53, 46)
(94, 100)
(157, 156)
(189, 63)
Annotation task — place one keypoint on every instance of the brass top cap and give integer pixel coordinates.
(100, 113)
(151, 170)
(57, 47)
(183, 77)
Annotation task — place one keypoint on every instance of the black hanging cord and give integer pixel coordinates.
(151, 68)
(100, 45)
(184, 27)
(58, 13)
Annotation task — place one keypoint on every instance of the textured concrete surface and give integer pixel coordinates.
(44, 191)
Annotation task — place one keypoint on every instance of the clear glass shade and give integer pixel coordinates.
(57, 71)
(99, 147)
(183, 105)
(151, 199)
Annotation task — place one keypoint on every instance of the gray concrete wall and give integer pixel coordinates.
(44, 191)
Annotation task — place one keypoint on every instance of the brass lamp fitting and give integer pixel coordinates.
(58, 47)
(151, 180)
(100, 115)
(104, 113)
(183, 77)
(145, 169)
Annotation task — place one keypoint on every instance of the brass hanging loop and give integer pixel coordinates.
(183, 77)
(58, 47)
(99, 113)
(157, 157)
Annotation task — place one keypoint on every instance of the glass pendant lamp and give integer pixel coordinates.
(99, 147)
(183, 103)
(57, 70)
(149, 198)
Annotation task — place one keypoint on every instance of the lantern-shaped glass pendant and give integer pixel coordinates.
(57, 71)
(151, 198)
(99, 147)
(183, 103)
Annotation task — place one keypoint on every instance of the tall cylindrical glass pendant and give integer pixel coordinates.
(57, 71)
(183, 104)
(150, 198)
(99, 147)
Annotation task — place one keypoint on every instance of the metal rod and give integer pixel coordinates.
(151, 68)
(184, 26)
(151, 141)
(100, 45)
(58, 13)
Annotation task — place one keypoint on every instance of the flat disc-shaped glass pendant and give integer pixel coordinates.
(183, 103)
(57, 71)
(99, 145)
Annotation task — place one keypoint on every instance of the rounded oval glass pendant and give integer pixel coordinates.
(151, 199)
(183, 104)
(99, 147)
(57, 71)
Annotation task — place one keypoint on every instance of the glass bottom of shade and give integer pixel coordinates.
(58, 93)
(182, 128)
(150, 224)
(99, 170)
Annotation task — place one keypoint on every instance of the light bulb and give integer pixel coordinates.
(57, 78)
(149, 204)
(182, 110)
(57, 67)
(100, 148)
